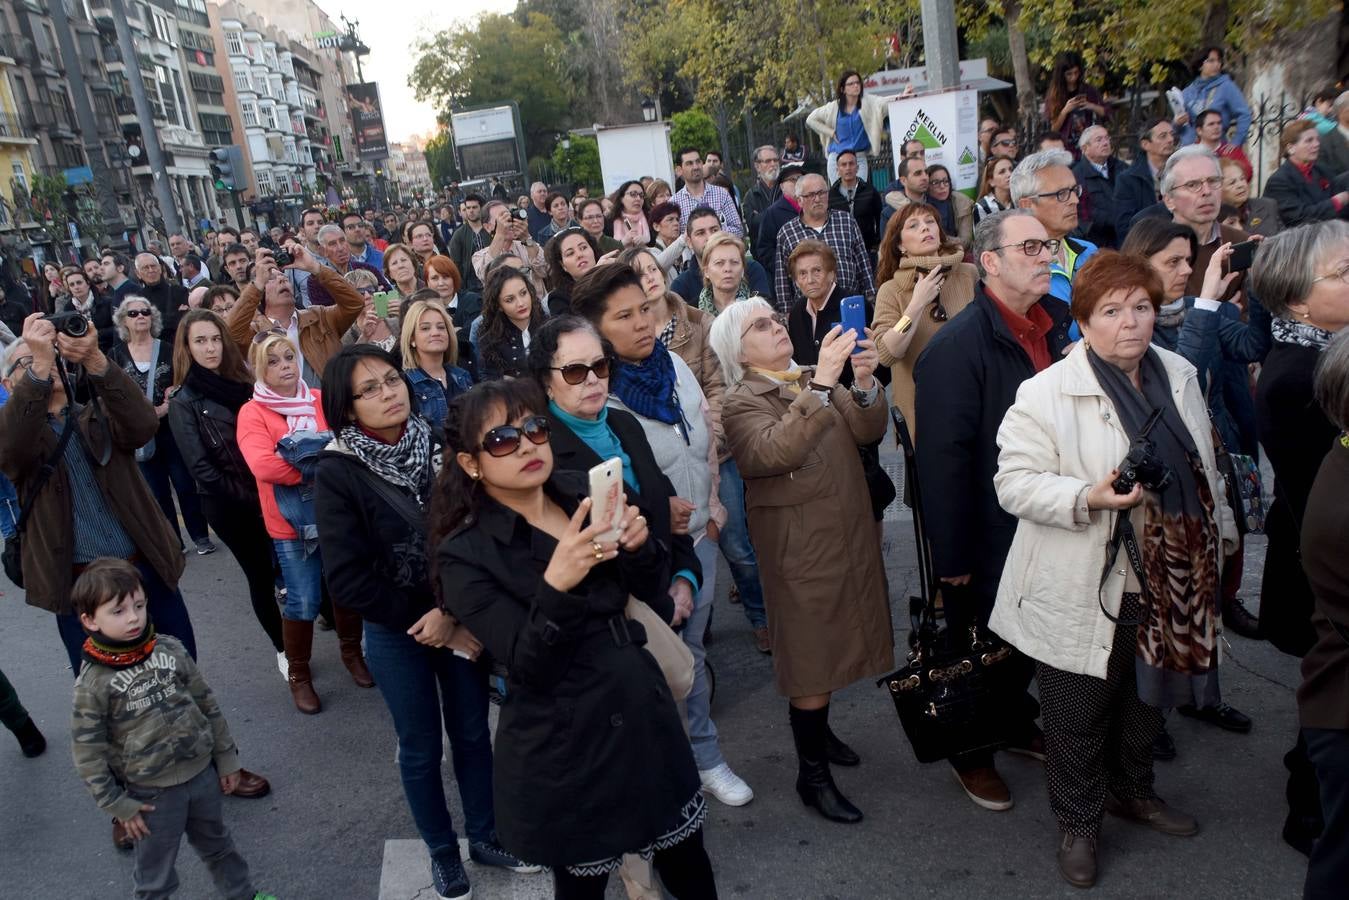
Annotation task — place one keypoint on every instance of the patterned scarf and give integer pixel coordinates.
(1289, 331)
(649, 388)
(104, 651)
(791, 378)
(1172, 315)
(1177, 657)
(667, 333)
(708, 304)
(406, 463)
(300, 411)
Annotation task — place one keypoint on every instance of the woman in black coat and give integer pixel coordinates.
(371, 488)
(511, 312)
(1304, 190)
(585, 432)
(212, 383)
(591, 759)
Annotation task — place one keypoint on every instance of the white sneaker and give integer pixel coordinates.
(725, 785)
(282, 664)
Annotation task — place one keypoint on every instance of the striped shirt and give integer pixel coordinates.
(714, 198)
(97, 529)
(841, 233)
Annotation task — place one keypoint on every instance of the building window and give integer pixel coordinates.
(182, 97)
(234, 43)
(242, 82)
(249, 111)
(265, 188)
(20, 177)
(269, 117)
(162, 29)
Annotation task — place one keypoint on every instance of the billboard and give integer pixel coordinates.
(631, 151)
(367, 119)
(488, 142)
(947, 125)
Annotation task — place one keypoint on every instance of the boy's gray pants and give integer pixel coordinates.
(193, 808)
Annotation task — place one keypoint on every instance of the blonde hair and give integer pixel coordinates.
(257, 354)
(412, 317)
(716, 241)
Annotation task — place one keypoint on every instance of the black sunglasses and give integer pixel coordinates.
(505, 439)
(575, 373)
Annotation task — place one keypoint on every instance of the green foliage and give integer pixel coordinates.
(440, 160)
(578, 164)
(48, 199)
(693, 128)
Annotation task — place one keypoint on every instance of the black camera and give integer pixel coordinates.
(71, 324)
(282, 258)
(518, 213)
(1142, 465)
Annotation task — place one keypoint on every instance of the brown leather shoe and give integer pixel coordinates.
(1153, 813)
(1077, 860)
(762, 642)
(120, 839)
(251, 786)
(348, 624)
(298, 638)
(986, 788)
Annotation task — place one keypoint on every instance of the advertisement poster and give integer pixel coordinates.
(947, 124)
(367, 119)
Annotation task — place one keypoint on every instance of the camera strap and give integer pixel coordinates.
(1122, 536)
(44, 474)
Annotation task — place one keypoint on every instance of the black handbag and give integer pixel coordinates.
(949, 693)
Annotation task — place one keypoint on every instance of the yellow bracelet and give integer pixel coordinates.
(903, 325)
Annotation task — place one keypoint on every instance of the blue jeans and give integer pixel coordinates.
(1329, 864)
(735, 545)
(165, 605)
(423, 686)
(702, 731)
(303, 574)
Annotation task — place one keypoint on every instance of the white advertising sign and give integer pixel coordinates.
(631, 151)
(947, 125)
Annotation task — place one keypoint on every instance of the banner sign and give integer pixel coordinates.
(367, 118)
(947, 125)
(894, 81)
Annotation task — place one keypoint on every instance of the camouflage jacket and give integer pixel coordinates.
(155, 724)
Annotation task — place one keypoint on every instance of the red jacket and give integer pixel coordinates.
(259, 429)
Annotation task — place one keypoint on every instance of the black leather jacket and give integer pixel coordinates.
(204, 430)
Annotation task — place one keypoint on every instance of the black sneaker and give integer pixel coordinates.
(490, 853)
(449, 877)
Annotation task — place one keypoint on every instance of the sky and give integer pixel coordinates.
(391, 38)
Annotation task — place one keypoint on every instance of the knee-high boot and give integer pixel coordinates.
(348, 626)
(298, 639)
(814, 782)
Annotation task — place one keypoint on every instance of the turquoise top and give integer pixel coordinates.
(598, 436)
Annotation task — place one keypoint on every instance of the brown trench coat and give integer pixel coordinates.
(819, 548)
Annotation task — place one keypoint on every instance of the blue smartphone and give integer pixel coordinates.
(854, 317)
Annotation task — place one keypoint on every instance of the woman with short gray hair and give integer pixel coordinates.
(794, 433)
(149, 362)
(1302, 277)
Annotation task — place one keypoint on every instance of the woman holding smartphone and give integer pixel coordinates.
(591, 760)
(372, 487)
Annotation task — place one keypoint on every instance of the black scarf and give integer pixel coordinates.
(1177, 640)
(227, 392)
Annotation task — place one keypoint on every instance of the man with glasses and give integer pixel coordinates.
(1003, 143)
(357, 233)
(1139, 185)
(337, 249)
(858, 199)
(965, 381)
(767, 166)
(1044, 184)
(1097, 170)
(836, 229)
(167, 295)
(987, 128)
(697, 192)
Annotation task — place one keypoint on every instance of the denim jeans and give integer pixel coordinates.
(164, 604)
(1328, 868)
(735, 545)
(702, 732)
(423, 686)
(303, 574)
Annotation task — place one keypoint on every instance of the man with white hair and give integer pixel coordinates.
(767, 166)
(1192, 193)
(1043, 183)
(538, 209)
(1096, 171)
(1335, 142)
(333, 240)
(837, 229)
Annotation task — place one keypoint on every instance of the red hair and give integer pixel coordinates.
(443, 265)
(1108, 271)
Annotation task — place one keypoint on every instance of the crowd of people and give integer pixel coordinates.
(388, 418)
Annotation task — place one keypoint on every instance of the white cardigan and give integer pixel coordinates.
(823, 119)
(1063, 435)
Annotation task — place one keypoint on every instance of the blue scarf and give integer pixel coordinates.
(649, 389)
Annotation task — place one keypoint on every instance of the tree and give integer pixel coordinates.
(579, 163)
(440, 160)
(693, 128)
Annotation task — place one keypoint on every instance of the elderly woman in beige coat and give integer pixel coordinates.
(794, 433)
(1114, 644)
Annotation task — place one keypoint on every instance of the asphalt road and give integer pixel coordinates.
(336, 825)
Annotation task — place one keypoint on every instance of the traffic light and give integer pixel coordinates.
(222, 169)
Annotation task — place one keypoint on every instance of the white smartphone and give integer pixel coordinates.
(606, 496)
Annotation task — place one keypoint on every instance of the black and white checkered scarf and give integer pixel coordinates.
(406, 464)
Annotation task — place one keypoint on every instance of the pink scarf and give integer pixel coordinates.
(299, 410)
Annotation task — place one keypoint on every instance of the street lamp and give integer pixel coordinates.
(648, 110)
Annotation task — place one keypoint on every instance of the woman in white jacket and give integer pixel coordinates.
(853, 120)
(1114, 645)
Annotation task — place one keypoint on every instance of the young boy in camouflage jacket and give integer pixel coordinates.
(147, 732)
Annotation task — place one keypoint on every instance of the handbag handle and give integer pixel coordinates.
(926, 579)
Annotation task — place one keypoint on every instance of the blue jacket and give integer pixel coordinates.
(1219, 93)
(433, 401)
(296, 501)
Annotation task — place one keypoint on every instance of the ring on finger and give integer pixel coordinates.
(599, 554)
(595, 545)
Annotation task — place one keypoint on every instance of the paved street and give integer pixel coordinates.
(336, 825)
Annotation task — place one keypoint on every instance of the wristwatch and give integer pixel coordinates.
(903, 325)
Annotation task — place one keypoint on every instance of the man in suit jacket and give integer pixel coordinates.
(1137, 187)
(1097, 170)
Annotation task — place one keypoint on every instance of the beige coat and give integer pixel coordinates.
(810, 519)
(690, 343)
(1061, 436)
(893, 298)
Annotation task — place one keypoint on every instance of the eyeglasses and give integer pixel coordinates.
(1033, 246)
(373, 390)
(505, 439)
(23, 362)
(368, 291)
(634, 194)
(939, 182)
(764, 324)
(1342, 274)
(1213, 183)
(815, 195)
(138, 313)
(576, 373)
(1063, 195)
(1005, 142)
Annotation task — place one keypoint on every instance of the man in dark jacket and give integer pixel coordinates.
(167, 295)
(1138, 186)
(765, 192)
(857, 197)
(116, 280)
(1097, 170)
(783, 210)
(702, 224)
(965, 381)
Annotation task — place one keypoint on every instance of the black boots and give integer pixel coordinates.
(31, 741)
(815, 784)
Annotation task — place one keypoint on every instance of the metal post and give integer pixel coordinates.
(145, 115)
(940, 46)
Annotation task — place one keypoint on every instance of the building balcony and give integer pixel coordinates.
(8, 55)
(12, 131)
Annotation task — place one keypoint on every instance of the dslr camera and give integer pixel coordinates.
(518, 213)
(69, 323)
(1142, 465)
(282, 259)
